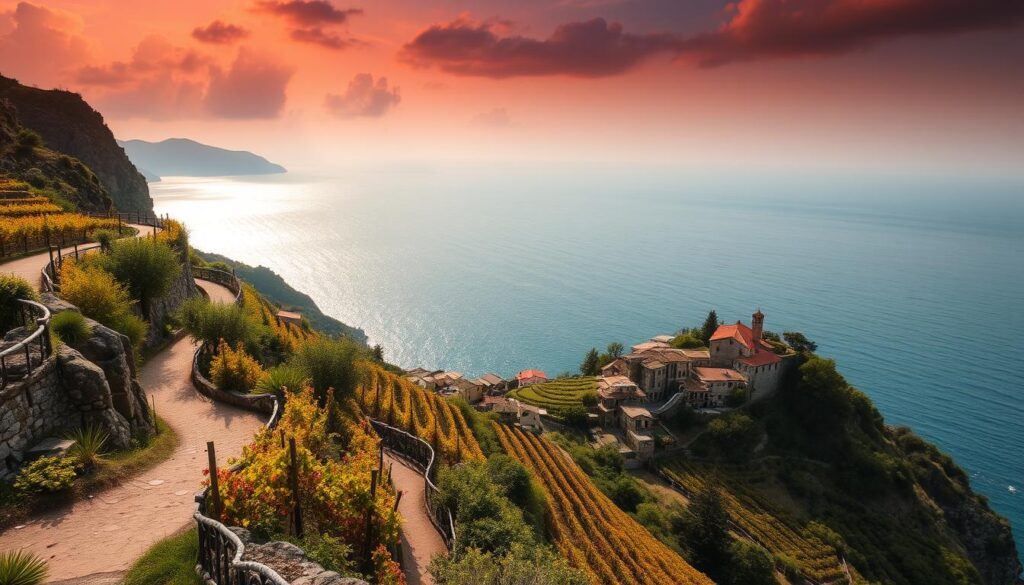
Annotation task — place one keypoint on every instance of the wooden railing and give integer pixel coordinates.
(226, 279)
(419, 454)
(39, 338)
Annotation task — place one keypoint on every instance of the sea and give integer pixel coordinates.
(915, 285)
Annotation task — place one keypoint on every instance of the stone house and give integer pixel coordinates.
(528, 377)
(711, 387)
(512, 411)
(492, 383)
(745, 350)
(659, 371)
(637, 423)
(613, 392)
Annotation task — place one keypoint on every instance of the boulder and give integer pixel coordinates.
(56, 304)
(113, 353)
(86, 387)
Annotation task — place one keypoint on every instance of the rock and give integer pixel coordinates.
(56, 304)
(291, 562)
(112, 352)
(49, 447)
(86, 387)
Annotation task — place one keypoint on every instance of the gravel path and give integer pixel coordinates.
(420, 540)
(106, 532)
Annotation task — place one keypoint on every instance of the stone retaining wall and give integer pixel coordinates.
(32, 409)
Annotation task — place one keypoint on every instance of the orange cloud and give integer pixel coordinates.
(307, 12)
(364, 98)
(254, 87)
(594, 48)
(781, 28)
(40, 44)
(219, 33)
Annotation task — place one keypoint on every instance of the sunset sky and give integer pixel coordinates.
(930, 86)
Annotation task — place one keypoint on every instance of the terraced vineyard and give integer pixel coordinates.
(402, 404)
(29, 222)
(816, 559)
(289, 334)
(589, 530)
(557, 394)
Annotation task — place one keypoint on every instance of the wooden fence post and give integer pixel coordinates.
(214, 488)
(368, 545)
(294, 473)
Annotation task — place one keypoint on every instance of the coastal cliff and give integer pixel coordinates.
(63, 176)
(70, 126)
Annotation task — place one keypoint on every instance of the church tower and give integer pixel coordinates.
(757, 328)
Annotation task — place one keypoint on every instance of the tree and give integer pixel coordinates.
(146, 267)
(212, 322)
(27, 141)
(711, 323)
(590, 366)
(706, 531)
(734, 434)
(575, 416)
(799, 342)
(687, 341)
(737, 397)
(615, 349)
(330, 363)
(589, 399)
(749, 565)
(377, 352)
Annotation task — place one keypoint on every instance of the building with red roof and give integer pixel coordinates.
(528, 377)
(745, 350)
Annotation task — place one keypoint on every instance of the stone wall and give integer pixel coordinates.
(184, 287)
(32, 409)
(93, 383)
(290, 562)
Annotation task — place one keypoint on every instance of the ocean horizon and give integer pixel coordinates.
(914, 286)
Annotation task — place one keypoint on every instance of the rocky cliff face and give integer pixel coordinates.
(70, 126)
(46, 169)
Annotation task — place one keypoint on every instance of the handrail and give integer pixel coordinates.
(419, 453)
(221, 277)
(137, 217)
(220, 550)
(50, 272)
(42, 333)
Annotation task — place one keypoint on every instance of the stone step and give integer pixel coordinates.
(49, 447)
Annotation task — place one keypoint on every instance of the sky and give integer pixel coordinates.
(914, 86)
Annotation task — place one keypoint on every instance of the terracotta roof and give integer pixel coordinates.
(719, 375)
(697, 354)
(653, 364)
(635, 411)
(492, 379)
(526, 374)
(740, 332)
(647, 345)
(289, 315)
(760, 358)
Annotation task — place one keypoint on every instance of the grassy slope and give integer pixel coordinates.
(557, 394)
(274, 288)
(171, 561)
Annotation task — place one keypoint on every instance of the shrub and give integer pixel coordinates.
(687, 341)
(211, 322)
(101, 297)
(533, 565)
(27, 141)
(330, 363)
(46, 475)
(749, 565)
(285, 376)
(737, 397)
(233, 369)
(88, 447)
(18, 567)
(70, 327)
(146, 267)
(105, 238)
(13, 288)
(589, 399)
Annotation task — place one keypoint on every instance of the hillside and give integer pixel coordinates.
(70, 126)
(814, 472)
(273, 287)
(180, 156)
(44, 173)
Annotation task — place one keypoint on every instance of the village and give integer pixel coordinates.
(634, 391)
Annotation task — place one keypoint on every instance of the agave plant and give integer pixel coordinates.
(88, 447)
(18, 567)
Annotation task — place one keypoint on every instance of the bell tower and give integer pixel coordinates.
(757, 328)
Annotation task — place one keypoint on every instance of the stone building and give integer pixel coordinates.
(745, 350)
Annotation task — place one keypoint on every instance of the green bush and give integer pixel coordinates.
(534, 565)
(330, 363)
(88, 447)
(101, 297)
(70, 327)
(211, 322)
(46, 475)
(145, 266)
(106, 238)
(27, 141)
(283, 376)
(13, 288)
(233, 369)
(687, 341)
(18, 567)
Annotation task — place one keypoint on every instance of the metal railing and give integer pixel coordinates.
(420, 455)
(135, 217)
(40, 337)
(220, 550)
(226, 279)
(50, 279)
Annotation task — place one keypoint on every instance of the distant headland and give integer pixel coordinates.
(181, 156)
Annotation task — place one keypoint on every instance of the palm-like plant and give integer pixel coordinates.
(88, 447)
(18, 567)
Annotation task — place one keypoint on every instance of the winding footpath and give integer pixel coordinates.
(95, 540)
(420, 540)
